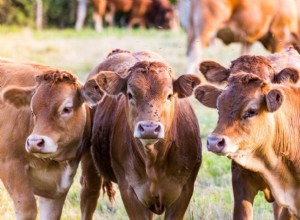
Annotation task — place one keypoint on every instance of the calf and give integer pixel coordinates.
(43, 130)
(246, 184)
(145, 136)
(238, 109)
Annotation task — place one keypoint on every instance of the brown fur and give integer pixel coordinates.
(144, 13)
(37, 111)
(275, 26)
(56, 77)
(161, 178)
(271, 68)
(267, 145)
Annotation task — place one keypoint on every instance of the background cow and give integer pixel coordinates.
(42, 130)
(142, 13)
(145, 136)
(246, 183)
(274, 23)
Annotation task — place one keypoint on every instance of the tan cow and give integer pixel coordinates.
(275, 23)
(44, 122)
(145, 136)
(247, 183)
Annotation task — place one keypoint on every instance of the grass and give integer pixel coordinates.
(79, 52)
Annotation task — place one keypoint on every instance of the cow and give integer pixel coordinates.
(144, 13)
(247, 183)
(239, 21)
(145, 136)
(44, 125)
(99, 7)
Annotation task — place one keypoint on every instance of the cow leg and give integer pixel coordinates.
(281, 213)
(19, 188)
(178, 208)
(51, 209)
(245, 48)
(90, 187)
(204, 25)
(81, 13)
(97, 21)
(133, 206)
(244, 191)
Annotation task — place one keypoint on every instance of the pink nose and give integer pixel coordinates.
(216, 143)
(149, 130)
(35, 144)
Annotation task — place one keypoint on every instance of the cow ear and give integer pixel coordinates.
(17, 96)
(274, 99)
(289, 74)
(91, 92)
(111, 82)
(208, 95)
(214, 72)
(185, 84)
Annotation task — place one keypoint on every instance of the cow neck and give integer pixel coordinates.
(153, 154)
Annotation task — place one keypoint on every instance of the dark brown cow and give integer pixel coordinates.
(145, 13)
(145, 136)
(42, 130)
(275, 23)
(246, 184)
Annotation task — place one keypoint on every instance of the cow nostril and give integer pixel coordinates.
(157, 129)
(221, 143)
(41, 143)
(141, 129)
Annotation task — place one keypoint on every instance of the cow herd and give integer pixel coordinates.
(131, 123)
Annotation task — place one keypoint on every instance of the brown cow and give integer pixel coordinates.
(145, 13)
(246, 184)
(145, 136)
(42, 131)
(275, 23)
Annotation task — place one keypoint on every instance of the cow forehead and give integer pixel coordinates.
(154, 80)
(238, 97)
(48, 94)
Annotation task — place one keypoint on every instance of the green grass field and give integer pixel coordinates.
(79, 52)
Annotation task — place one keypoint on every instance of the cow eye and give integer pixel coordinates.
(169, 97)
(250, 113)
(129, 95)
(67, 110)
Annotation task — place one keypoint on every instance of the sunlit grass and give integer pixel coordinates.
(79, 52)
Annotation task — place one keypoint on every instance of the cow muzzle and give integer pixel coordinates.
(218, 143)
(149, 130)
(40, 144)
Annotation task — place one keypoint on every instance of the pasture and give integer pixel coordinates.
(79, 52)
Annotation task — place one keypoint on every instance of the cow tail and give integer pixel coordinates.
(109, 189)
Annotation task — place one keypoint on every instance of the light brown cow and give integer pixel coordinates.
(275, 23)
(145, 136)
(42, 133)
(246, 183)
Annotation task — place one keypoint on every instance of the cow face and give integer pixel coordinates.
(246, 113)
(150, 92)
(58, 112)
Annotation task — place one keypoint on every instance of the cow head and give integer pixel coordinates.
(258, 65)
(58, 112)
(150, 90)
(246, 112)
